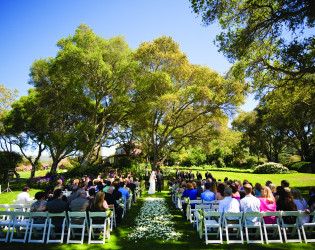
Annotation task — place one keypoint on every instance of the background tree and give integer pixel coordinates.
(26, 123)
(91, 80)
(179, 100)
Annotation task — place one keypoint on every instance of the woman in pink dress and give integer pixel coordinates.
(268, 204)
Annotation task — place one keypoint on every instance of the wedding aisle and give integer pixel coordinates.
(154, 221)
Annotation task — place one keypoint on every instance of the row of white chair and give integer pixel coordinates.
(218, 221)
(18, 225)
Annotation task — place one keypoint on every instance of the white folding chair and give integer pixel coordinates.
(310, 226)
(112, 218)
(212, 220)
(59, 218)
(190, 211)
(21, 224)
(6, 223)
(294, 226)
(234, 224)
(77, 222)
(101, 226)
(276, 231)
(204, 207)
(38, 226)
(254, 226)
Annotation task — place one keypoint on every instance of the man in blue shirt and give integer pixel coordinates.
(207, 195)
(124, 191)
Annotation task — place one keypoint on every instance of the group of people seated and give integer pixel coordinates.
(236, 196)
(86, 195)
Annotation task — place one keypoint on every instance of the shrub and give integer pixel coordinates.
(301, 167)
(271, 168)
(8, 161)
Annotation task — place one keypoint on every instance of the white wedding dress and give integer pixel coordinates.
(152, 184)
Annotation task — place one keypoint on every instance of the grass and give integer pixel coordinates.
(190, 240)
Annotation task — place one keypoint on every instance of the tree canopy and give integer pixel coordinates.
(266, 40)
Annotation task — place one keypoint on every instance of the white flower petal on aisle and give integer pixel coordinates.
(154, 221)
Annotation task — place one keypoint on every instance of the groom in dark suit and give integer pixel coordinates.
(159, 181)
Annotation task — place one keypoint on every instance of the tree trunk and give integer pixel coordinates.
(54, 166)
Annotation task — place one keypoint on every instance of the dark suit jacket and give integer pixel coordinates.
(208, 175)
(191, 176)
(159, 178)
(199, 176)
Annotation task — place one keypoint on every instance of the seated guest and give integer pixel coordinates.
(311, 201)
(286, 203)
(207, 195)
(300, 203)
(99, 204)
(250, 204)
(40, 204)
(199, 189)
(124, 191)
(228, 204)
(273, 189)
(57, 205)
(257, 190)
(285, 183)
(235, 193)
(268, 204)
(191, 193)
(59, 185)
(81, 203)
(24, 196)
(91, 198)
(220, 192)
(108, 184)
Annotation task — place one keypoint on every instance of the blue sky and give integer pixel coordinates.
(31, 29)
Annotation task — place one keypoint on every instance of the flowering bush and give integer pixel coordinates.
(154, 221)
(271, 168)
(44, 182)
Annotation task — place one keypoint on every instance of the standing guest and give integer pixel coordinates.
(208, 175)
(185, 175)
(81, 203)
(220, 192)
(24, 196)
(178, 174)
(138, 185)
(300, 203)
(250, 204)
(207, 195)
(198, 176)
(199, 188)
(230, 205)
(268, 204)
(235, 193)
(191, 175)
(159, 181)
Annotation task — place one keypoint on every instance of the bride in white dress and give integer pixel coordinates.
(152, 183)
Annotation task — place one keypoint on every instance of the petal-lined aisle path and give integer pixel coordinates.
(154, 221)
